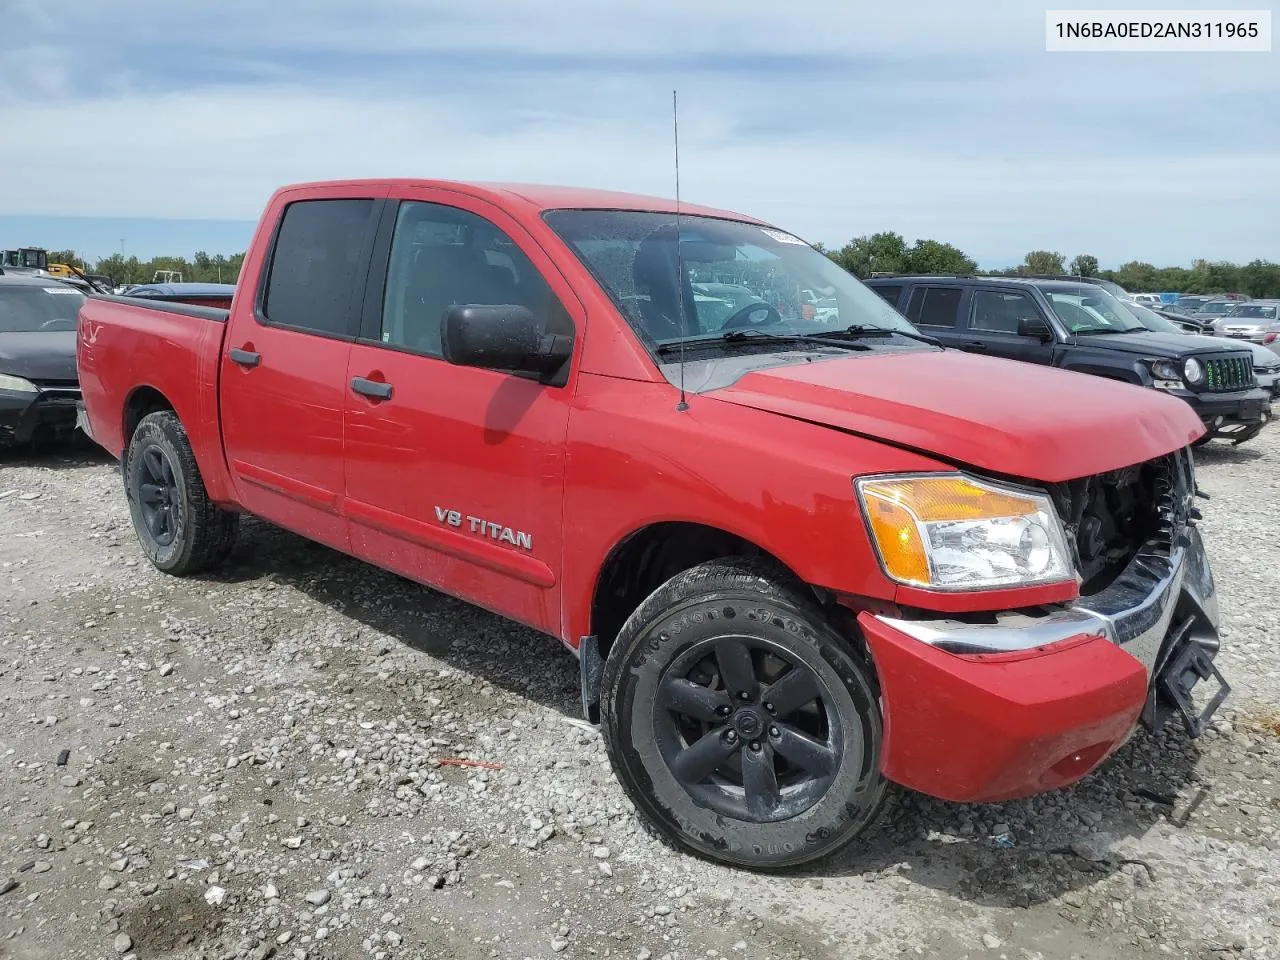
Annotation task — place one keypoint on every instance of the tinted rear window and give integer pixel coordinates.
(314, 267)
(934, 306)
(890, 293)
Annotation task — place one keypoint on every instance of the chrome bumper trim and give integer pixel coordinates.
(1136, 611)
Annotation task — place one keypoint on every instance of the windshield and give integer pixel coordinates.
(25, 309)
(1090, 309)
(1153, 321)
(1217, 307)
(729, 276)
(1256, 311)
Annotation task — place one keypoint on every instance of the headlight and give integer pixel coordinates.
(17, 384)
(1193, 370)
(1169, 371)
(952, 532)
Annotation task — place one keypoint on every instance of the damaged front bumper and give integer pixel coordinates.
(1024, 702)
(1231, 416)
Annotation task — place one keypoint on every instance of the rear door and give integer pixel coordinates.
(284, 365)
(937, 308)
(993, 315)
(455, 475)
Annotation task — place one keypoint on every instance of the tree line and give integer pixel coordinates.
(889, 252)
(201, 268)
(884, 252)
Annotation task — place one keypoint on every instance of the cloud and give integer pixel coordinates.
(934, 120)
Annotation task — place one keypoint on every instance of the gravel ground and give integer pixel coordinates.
(257, 764)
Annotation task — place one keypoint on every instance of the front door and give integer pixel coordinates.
(284, 368)
(995, 316)
(455, 475)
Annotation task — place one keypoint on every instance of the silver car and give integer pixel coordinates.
(1248, 321)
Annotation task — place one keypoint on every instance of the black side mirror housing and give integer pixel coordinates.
(1034, 327)
(504, 337)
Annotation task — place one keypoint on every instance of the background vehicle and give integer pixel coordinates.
(425, 374)
(1191, 304)
(197, 294)
(1266, 363)
(27, 258)
(167, 276)
(1211, 310)
(39, 388)
(1079, 326)
(1248, 321)
(1113, 288)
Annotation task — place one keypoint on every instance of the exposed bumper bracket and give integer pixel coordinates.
(1192, 664)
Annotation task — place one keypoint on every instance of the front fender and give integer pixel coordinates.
(783, 485)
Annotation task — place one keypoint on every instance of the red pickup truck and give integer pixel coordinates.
(799, 554)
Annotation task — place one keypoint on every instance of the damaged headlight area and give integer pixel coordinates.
(1168, 374)
(955, 532)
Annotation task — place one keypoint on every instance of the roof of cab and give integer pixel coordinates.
(542, 197)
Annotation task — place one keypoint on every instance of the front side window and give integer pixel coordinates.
(711, 277)
(999, 311)
(442, 256)
(317, 256)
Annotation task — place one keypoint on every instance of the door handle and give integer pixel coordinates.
(245, 358)
(976, 346)
(374, 389)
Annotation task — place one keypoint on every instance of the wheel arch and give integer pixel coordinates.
(652, 554)
(145, 399)
(141, 401)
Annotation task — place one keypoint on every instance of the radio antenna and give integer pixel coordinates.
(684, 327)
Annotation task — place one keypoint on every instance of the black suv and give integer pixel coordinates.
(1080, 326)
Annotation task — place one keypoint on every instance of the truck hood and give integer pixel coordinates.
(40, 355)
(1001, 416)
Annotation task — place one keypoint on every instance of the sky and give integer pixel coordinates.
(166, 125)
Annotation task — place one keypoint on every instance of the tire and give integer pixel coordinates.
(180, 530)
(672, 745)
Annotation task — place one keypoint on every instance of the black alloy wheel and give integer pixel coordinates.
(158, 495)
(741, 723)
(180, 529)
(748, 730)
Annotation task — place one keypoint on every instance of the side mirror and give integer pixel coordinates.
(1034, 327)
(502, 337)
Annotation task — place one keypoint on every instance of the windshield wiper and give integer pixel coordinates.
(859, 330)
(740, 337)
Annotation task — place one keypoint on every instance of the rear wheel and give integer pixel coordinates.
(180, 529)
(740, 723)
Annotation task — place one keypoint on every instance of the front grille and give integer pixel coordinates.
(59, 388)
(1226, 374)
(1109, 516)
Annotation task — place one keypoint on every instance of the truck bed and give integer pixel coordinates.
(132, 351)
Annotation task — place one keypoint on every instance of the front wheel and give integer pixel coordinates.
(740, 723)
(181, 531)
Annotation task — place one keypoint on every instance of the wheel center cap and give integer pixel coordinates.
(748, 723)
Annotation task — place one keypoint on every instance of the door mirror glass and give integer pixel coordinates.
(502, 337)
(1034, 327)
